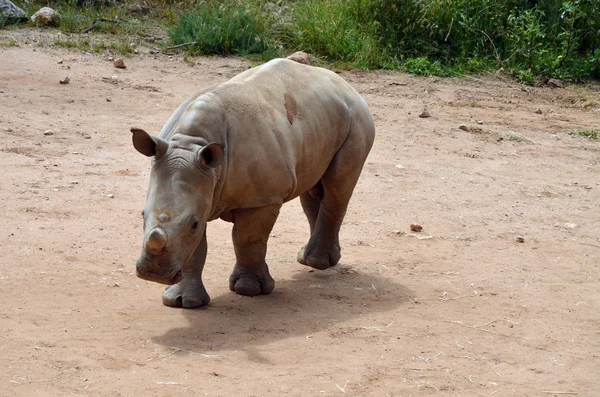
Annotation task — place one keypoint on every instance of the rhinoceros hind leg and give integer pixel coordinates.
(337, 184)
(189, 294)
(251, 229)
(311, 202)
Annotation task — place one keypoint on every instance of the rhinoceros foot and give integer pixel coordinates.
(319, 258)
(188, 293)
(251, 281)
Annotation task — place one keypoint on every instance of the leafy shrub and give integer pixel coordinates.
(222, 28)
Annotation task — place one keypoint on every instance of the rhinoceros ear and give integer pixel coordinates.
(148, 145)
(212, 155)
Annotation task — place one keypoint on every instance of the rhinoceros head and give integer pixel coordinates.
(178, 204)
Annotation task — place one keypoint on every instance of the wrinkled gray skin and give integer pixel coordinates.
(238, 151)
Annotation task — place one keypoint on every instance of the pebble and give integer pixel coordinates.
(65, 80)
(520, 239)
(110, 195)
(539, 111)
(119, 63)
(425, 114)
(463, 127)
(416, 228)
(48, 132)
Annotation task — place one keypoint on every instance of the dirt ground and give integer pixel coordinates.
(460, 309)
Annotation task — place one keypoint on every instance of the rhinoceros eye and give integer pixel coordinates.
(194, 224)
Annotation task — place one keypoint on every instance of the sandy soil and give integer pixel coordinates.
(460, 309)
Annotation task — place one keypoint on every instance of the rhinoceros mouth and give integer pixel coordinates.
(162, 278)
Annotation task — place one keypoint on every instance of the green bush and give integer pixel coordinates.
(337, 30)
(222, 28)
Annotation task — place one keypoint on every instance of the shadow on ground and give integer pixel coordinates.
(308, 303)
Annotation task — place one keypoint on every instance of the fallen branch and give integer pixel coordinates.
(97, 22)
(181, 45)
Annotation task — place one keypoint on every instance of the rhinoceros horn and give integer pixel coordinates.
(157, 240)
(147, 144)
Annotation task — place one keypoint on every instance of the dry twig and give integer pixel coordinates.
(97, 22)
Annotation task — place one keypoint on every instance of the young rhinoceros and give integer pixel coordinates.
(238, 151)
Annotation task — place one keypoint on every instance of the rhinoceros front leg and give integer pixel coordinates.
(190, 293)
(251, 229)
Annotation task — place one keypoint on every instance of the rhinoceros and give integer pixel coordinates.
(239, 150)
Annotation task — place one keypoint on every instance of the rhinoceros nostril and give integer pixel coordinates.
(157, 240)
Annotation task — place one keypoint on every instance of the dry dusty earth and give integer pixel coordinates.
(460, 309)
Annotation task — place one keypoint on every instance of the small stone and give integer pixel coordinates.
(74, 182)
(110, 195)
(480, 122)
(59, 61)
(400, 166)
(108, 99)
(416, 228)
(119, 63)
(520, 239)
(539, 111)
(111, 59)
(555, 83)
(48, 132)
(463, 127)
(114, 78)
(65, 80)
(136, 51)
(425, 114)
(46, 16)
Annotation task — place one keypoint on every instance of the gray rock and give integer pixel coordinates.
(46, 16)
(10, 12)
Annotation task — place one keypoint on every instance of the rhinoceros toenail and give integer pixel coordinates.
(163, 217)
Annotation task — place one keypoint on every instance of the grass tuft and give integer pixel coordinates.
(592, 134)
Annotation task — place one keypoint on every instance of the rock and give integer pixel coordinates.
(119, 63)
(539, 111)
(520, 239)
(48, 132)
(110, 195)
(416, 228)
(108, 99)
(463, 127)
(301, 57)
(60, 61)
(10, 12)
(480, 122)
(65, 80)
(554, 83)
(425, 114)
(46, 16)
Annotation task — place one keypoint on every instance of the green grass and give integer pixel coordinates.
(592, 134)
(222, 28)
(93, 45)
(531, 40)
(516, 138)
